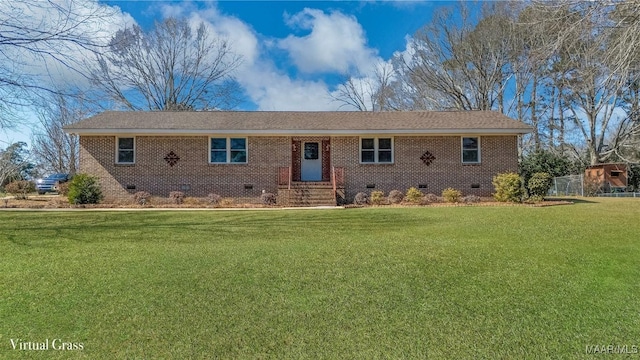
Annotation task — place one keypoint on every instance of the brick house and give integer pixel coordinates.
(298, 155)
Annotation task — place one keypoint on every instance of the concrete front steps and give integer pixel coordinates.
(307, 194)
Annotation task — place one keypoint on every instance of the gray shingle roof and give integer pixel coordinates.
(283, 122)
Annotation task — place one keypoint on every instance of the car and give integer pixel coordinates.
(50, 182)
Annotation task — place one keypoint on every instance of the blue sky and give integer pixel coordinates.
(385, 22)
(295, 52)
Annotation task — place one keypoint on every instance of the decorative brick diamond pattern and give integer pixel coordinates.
(172, 158)
(427, 158)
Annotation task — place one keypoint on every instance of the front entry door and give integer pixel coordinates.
(311, 169)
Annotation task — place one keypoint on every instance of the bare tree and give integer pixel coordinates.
(625, 50)
(595, 76)
(593, 66)
(618, 18)
(54, 150)
(461, 64)
(536, 71)
(173, 67)
(36, 34)
(355, 92)
(368, 93)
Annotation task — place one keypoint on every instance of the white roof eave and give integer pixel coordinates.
(266, 132)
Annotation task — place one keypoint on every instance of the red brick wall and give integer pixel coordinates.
(153, 174)
(265, 154)
(498, 154)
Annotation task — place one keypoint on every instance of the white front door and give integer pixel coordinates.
(311, 169)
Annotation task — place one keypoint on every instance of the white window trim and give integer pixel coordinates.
(228, 149)
(462, 150)
(118, 150)
(376, 150)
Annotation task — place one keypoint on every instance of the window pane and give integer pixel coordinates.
(238, 156)
(384, 156)
(311, 151)
(367, 144)
(368, 156)
(218, 143)
(125, 143)
(218, 156)
(470, 143)
(125, 156)
(470, 156)
(384, 144)
(238, 144)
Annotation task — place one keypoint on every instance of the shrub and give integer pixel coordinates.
(159, 201)
(361, 199)
(471, 199)
(63, 188)
(227, 202)
(413, 195)
(268, 198)
(548, 162)
(451, 195)
(194, 201)
(508, 187)
(395, 196)
(633, 181)
(539, 185)
(214, 199)
(84, 189)
(20, 188)
(58, 203)
(592, 186)
(377, 197)
(177, 197)
(141, 197)
(431, 198)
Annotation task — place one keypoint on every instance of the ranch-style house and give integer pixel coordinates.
(304, 157)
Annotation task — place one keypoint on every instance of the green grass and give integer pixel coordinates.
(458, 282)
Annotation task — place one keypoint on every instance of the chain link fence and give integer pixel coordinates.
(620, 194)
(571, 185)
(577, 185)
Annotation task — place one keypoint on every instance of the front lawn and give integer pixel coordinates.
(446, 282)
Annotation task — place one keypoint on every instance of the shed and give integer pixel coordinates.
(610, 177)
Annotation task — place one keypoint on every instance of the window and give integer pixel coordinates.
(470, 150)
(311, 151)
(228, 150)
(376, 150)
(125, 152)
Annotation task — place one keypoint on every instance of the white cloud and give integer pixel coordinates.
(268, 86)
(409, 50)
(241, 36)
(336, 43)
(273, 90)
